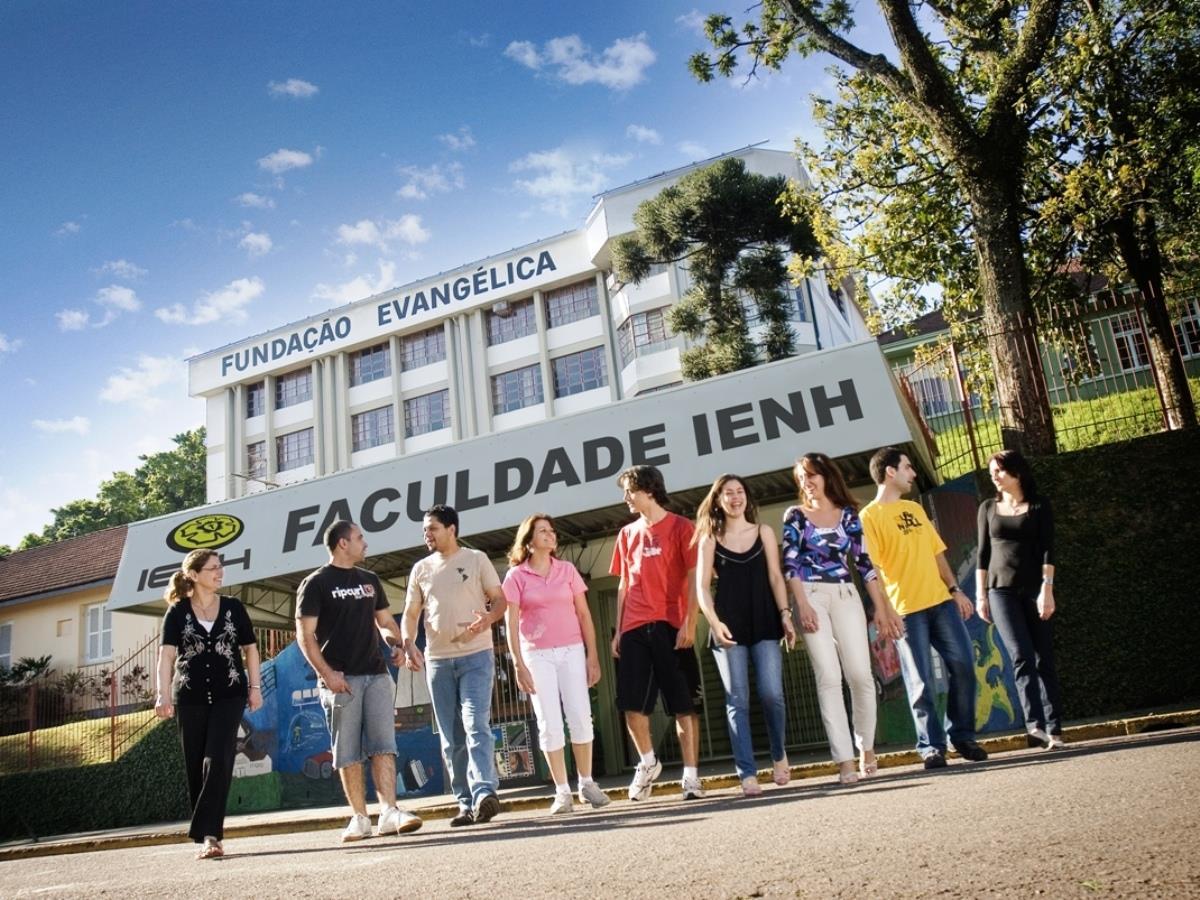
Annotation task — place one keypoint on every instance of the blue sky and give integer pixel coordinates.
(178, 175)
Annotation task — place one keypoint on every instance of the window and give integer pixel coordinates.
(97, 626)
(509, 320)
(578, 372)
(516, 389)
(294, 450)
(1187, 329)
(1131, 343)
(423, 348)
(429, 412)
(256, 399)
(571, 303)
(6, 645)
(370, 364)
(256, 459)
(643, 333)
(293, 388)
(372, 428)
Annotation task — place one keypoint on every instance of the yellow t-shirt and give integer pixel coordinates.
(904, 545)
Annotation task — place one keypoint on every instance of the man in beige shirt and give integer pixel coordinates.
(459, 591)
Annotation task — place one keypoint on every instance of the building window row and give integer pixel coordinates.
(293, 388)
(294, 449)
(571, 303)
(429, 412)
(517, 389)
(256, 399)
(579, 372)
(256, 460)
(509, 320)
(644, 332)
(372, 428)
(370, 364)
(423, 348)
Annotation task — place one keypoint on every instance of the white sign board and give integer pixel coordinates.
(839, 402)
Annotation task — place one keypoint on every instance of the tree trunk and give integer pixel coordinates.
(1144, 264)
(1025, 418)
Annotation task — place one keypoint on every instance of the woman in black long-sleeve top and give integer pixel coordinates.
(1015, 588)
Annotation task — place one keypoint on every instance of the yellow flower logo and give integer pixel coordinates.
(206, 532)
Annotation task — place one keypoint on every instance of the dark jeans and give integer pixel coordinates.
(1030, 642)
(209, 736)
(939, 628)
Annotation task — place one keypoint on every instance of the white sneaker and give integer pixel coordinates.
(591, 793)
(562, 803)
(395, 820)
(643, 780)
(692, 789)
(359, 828)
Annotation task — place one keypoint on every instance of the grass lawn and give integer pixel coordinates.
(76, 744)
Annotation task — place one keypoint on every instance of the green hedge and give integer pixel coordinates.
(147, 784)
(1127, 534)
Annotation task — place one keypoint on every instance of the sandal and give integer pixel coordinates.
(782, 772)
(212, 849)
(847, 776)
(868, 769)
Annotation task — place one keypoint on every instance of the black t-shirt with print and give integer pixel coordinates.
(208, 663)
(344, 602)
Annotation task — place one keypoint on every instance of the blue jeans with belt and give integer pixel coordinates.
(940, 628)
(461, 689)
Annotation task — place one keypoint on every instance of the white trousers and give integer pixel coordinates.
(839, 647)
(560, 682)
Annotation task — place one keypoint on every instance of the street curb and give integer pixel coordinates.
(1093, 731)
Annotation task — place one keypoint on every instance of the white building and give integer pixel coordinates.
(520, 337)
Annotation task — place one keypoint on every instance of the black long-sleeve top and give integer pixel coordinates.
(1013, 549)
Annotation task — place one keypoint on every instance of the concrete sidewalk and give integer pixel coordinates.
(714, 776)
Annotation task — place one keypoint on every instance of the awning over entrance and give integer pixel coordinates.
(843, 402)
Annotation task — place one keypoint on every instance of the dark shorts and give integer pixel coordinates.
(649, 665)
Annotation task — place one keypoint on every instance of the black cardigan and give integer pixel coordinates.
(208, 664)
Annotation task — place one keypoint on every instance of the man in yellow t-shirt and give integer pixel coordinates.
(910, 558)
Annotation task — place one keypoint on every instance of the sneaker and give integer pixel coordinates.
(1037, 738)
(643, 780)
(464, 817)
(751, 787)
(591, 793)
(487, 808)
(692, 789)
(782, 772)
(395, 820)
(359, 828)
(562, 803)
(971, 750)
(1055, 742)
(935, 760)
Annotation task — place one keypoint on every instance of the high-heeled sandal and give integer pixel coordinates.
(212, 849)
(847, 776)
(782, 773)
(868, 769)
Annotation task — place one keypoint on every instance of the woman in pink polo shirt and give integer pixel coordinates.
(553, 644)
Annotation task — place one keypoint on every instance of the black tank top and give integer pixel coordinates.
(743, 599)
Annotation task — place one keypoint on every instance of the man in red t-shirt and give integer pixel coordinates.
(656, 626)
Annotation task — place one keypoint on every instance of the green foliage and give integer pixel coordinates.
(26, 670)
(1126, 518)
(726, 225)
(147, 784)
(165, 482)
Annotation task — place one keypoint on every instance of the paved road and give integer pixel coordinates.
(1116, 817)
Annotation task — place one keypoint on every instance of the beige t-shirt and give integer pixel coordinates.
(451, 590)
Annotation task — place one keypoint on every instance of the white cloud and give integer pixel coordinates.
(77, 424)
(118, 297)
(619, 66)
(256, 243)
(251, 200)
(225, 305)
(479, 40)
(693, 151)
(293, 87)
(559, 176)
(72, 319)
(67, 228)
(432, 180)
(359, 287)
(138, 386)
(643, 135)
(458, 141)
(693, 21)
(382, 234)
(9, 345)
(121, 268)
(283, 159)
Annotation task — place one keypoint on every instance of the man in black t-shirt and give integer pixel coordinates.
(341, 612)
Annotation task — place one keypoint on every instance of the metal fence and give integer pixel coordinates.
(1094, 360)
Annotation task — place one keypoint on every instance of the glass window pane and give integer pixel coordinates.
(370, 364)
(571, 303)
(423, 348)
(256, 399)
(293, 388)
(517, 389)
(578, 372)
(294, 450)
(429, 412)
(513, 319)
(372, 428)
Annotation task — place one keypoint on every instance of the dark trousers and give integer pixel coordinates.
(1030, 642)
(209, 737)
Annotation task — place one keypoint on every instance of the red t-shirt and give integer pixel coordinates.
(654, 560)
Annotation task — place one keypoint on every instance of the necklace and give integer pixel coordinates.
(206, 611)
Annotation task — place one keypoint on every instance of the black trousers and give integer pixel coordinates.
(209, 736)
(1030, 643)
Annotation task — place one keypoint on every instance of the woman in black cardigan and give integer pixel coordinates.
(1014, 587)
(202, 678)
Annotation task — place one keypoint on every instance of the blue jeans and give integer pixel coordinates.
(1030, 643)
(461, 689)
(942, 628)
(734, 665)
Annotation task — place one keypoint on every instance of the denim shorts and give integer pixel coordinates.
(361, 723)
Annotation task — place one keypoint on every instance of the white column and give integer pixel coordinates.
(610, 342)
(540, 317)
(452, 367)
(320, 456)
(269, 427)
(397, 394)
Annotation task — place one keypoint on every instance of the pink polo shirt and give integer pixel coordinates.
(546, 605)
